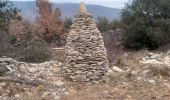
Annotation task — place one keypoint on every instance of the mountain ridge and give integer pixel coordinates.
(69, 10)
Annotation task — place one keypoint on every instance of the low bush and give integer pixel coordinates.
(35, 52)
(104, 25)
(27, 46)
(146, 24)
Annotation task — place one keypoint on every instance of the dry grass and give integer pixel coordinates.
(58, 54)
(159, 70)
(121, 91)
(126, 86)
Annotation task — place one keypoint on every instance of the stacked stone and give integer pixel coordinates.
(86, 58)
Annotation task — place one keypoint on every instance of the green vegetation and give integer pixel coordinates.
(7, 13)
(146, 24)
(67, 23)
(36, 52)
(103, 24)
(18, 37)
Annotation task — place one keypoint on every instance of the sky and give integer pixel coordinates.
(107, 3)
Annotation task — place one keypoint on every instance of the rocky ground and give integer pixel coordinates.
(25, 81)
(141, 76)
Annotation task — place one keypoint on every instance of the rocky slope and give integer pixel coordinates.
(24, 80)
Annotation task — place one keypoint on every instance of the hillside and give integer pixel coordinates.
(45, 60)
(69, 10)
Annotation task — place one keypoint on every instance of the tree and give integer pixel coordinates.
(103, 24)
(7, 13)
(146, 23)
(67, 23)
(49, 26)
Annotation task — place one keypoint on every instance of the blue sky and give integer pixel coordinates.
(108, 3)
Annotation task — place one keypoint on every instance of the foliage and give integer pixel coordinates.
(25, 45)
(104, 24)
(17, 29)
(115, 24)
(35, 52)
(7, 12)
(3, 70)
(21, 32)
(146, 23)
(4, 43)
(67, 23)
(49, 26)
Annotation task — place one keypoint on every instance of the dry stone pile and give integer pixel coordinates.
(86, 58)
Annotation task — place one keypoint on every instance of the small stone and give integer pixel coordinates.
(110, 71)
(17, 95)
(146, 72)
(78, 72)
(59, 83)
(94, 38)
(134, 72)
(139, 78)
(100, 63)
(167, 85)
(168, 53)
(60, 63)
(80, 65)
(74, 52)
(89, 73)
(114, 68)
(80, 58)
(155, 56)
(152, 82)
(32, 70)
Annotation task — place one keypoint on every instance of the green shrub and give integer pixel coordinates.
(103, 24)
(3, 70)
(27, 47)
(114, 24)
(35, 52)
(67, 23)
(7, 13)
(146, 24)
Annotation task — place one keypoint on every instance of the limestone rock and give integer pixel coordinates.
(114, 68)
(159, 59)
(86, 60)
(168, 53)
(48, 72)
(83, 8)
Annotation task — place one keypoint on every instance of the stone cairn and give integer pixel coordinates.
(86, 58)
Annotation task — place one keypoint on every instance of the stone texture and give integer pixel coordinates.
(3, 70)
(86, 58)
(83, 8)
(157, 59)
(48, 72)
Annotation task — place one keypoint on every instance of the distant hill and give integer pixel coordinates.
(68, 10)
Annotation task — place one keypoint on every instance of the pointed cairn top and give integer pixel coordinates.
(83, 8)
